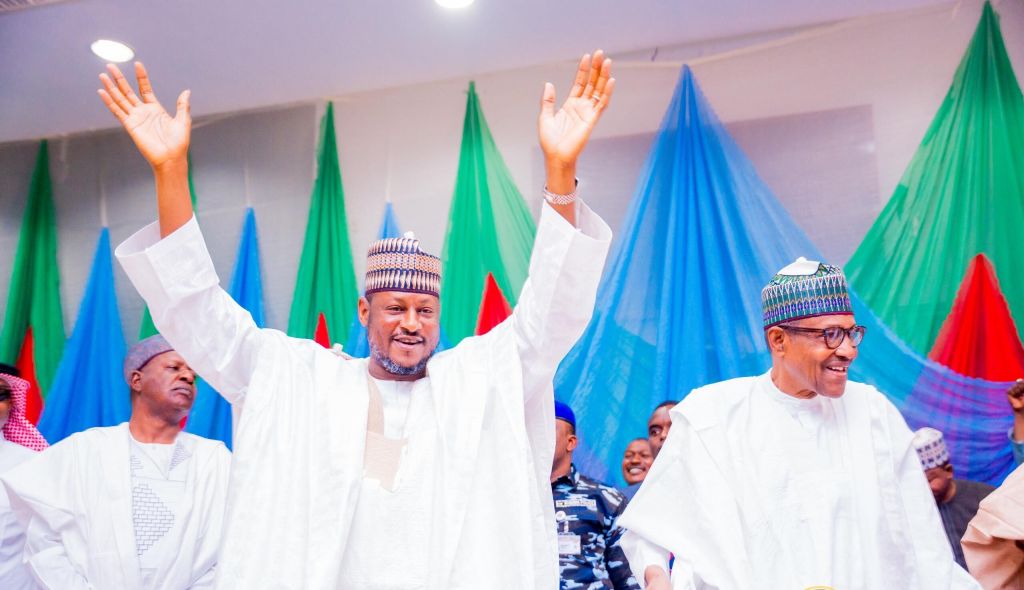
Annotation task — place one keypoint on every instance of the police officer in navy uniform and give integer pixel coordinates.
(586, 512)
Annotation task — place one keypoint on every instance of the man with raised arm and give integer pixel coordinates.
(407, 469)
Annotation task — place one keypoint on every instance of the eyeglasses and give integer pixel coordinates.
(834, 335)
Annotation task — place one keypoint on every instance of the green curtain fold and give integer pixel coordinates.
(33, 301)
(490, 229)
(961, 195)
(326, 280)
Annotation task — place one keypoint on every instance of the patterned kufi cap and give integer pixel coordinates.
(931, 448)
(805, 289)
(398, 264)
(142, 353)
(18, 429)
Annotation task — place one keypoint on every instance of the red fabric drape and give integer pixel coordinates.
(494, 308)
(979, 338)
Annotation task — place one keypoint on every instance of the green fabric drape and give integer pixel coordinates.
(147, 329)
(490, 229)
(33, 300)
(962, 194)
(326, 281)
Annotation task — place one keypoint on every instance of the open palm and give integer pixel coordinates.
(564, 133)
(160, 137)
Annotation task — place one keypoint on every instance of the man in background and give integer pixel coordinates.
(659, 424)
(19, 442)
(636, 462)
(138, 505)
(957, 499)
(586, 511)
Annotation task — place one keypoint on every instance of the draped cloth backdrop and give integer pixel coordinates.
(679, 306)
(490, 229)
(89, 389)
(961, 195)
(33, 329)
(326, 282)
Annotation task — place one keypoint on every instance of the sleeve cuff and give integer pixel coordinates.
(588, 223)
(166, 269)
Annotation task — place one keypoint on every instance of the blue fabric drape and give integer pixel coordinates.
(89, 388)
(679, 306)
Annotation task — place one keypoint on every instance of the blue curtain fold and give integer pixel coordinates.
(679, 306)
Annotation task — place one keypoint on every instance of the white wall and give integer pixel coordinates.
(405, 141)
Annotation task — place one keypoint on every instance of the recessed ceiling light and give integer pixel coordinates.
(454, 3)
(113, 51)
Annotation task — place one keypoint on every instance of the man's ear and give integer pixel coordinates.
(364, 311)
(776, 339)
(571, 443)
(135, 382)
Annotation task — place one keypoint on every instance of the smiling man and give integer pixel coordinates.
(636, 462)
(407, 470)
(797, 478)
(139, 505)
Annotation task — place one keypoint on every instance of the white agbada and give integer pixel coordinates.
(14, 575)
(104, 511)
(758, 489)
(297, 477)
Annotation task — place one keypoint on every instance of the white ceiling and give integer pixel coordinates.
(237, 54)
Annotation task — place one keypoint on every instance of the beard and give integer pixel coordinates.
(391, 366)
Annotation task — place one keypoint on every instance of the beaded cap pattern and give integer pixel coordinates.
(805, 289)
(931, 448)
(398, 264)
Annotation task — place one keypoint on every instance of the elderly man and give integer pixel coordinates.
(659, 425)
(636, 462)
(18, 441)
(139, 505)
(957, 499)
(404, 470)
(797, 478)
(586, 512)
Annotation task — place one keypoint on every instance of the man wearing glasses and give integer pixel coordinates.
(793, 479)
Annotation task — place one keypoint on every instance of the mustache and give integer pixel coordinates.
(408, 335)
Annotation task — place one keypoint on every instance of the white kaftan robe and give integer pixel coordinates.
(14, 575)
(297, 476)
(103, 511)
(758, 489)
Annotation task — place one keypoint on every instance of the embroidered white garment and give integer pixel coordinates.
(103, 511)
(159, 481)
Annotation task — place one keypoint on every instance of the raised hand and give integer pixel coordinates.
(161, 139)
(1015, 395)
(565, 132)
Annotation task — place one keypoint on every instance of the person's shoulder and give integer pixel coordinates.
(864, 393)
(205, 445)
(94, 434)
(974, 489)
(11, 453)
(715, 399)
(594, 486)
